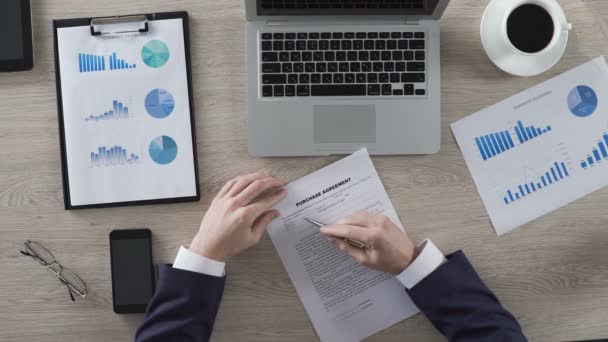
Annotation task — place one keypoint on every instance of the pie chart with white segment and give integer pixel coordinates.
(163, 150)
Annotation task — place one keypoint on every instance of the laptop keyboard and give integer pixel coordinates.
(348, 4)
(300, 64)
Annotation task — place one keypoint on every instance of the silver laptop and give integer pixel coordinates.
(333, 76)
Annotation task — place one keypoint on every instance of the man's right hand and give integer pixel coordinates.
(391, 250)
(238, 216)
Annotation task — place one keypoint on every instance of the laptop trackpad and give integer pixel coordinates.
(344, 124)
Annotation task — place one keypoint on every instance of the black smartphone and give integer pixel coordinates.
(16, 47)
(133, 278)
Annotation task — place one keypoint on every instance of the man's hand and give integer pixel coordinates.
(391, 250)
(238, 216)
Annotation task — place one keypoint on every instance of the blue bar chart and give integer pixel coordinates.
(557, 172)
(598, 154)
(91, 63)
(493, 144)
(118, 111)
(113, 156)
(116, 63)
(527, 133)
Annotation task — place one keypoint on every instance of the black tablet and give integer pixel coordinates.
(16, 52)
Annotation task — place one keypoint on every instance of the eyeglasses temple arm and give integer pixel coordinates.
(71, 295)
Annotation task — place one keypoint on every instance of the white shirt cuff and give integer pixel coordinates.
(189, 261)
(429, 259)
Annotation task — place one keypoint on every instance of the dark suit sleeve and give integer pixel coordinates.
(460, 305)
(183, 307)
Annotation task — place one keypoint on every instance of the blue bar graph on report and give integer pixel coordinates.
(118, 111)
(113, 156)
(598, 154)
(527, 133)
(493, 144)
(116, 63)
(91, 63)
(555, 174)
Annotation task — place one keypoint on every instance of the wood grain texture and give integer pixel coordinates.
(552, 274)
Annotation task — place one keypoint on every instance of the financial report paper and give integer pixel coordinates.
(541, 149)
(126, 114)
(345, 301)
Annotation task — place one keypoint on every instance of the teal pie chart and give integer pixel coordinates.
(582, 101)
(155, 54)
(163, 150)
(159, 103)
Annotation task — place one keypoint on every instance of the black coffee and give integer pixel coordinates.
(530, 28)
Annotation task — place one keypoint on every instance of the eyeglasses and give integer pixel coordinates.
(66, 277)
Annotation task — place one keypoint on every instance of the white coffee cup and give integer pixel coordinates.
(509, 58)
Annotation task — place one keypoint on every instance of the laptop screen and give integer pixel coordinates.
(346, 7)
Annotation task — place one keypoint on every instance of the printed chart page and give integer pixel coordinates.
(541, 149)
(345, 301)
(126, 111)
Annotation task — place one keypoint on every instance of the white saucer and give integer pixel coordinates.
(502, 53)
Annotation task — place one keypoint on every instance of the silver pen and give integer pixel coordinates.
(351, 242)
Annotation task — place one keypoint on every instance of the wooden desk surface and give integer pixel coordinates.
(552, 274)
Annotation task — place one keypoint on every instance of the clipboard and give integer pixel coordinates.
(163, 153)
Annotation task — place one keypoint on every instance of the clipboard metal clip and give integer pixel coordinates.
(122, 24)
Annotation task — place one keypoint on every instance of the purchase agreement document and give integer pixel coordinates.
(345, 301)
